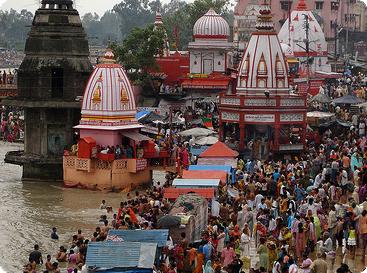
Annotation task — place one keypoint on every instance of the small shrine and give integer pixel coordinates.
(302, 31)
(210, 57)
(263, 115)
(111, 153)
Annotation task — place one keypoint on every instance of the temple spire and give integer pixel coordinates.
(301, 5)
(265, 19)
(57, 4)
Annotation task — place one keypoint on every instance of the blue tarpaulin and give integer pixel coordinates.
(198, 150)
(120, 256)
(158, 236)
(141, 114)
(226, 168)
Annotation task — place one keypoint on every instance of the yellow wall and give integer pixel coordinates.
(104, 179)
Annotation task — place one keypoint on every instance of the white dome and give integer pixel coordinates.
(263, 65)
(211, 25)
(108, 94)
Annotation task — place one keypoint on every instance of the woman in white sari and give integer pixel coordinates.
(245, 241)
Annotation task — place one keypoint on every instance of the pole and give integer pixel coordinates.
(347, 30)
(307, 44)
(170, 128)
(336, 44)
(289, 22)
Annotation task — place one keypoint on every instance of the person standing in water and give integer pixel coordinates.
(54, 235)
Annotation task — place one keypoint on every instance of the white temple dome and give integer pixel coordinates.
(296, 32)
(211, 25)
(263, 65)
(293, 32)
(108, 96)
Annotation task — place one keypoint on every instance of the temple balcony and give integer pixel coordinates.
(260, 101)
(131, 165)
(8, 90)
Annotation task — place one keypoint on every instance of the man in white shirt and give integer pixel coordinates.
(318, 180)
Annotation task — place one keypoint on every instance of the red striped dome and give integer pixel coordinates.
(211, 25)
(108, 96)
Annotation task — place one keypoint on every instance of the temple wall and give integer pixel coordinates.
(102, 175)
(104, 138)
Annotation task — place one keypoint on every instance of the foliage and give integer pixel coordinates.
(102, 30)
(14, 28)
(137, 52)
(182, 20)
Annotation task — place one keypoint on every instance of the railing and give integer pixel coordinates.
(277, 101)
(8, 90)
(83, 164)
(116, 166)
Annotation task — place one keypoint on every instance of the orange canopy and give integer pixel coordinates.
(222, 175)
(174, 193)
(219, 149)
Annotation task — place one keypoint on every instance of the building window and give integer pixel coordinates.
(319, 5)
(285, 5)
(334, 5)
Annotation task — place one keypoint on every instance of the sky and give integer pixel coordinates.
(83, 6)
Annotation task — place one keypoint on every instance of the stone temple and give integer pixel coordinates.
(52, 77)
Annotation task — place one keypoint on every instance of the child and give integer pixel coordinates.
(352, 239)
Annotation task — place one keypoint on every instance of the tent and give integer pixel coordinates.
(197, 132)
(209, 174)
(228, 161)
(174, 193)
(226, 168)
(197, 150)
(195, 183)
(151, 117)
(208, 140)
(219, 149)
(348, 99)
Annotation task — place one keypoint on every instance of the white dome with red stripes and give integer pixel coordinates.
(108, 96)
(211, 25)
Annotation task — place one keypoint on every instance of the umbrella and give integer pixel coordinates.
(321, 97)
(348, 99)
(169, 221)
(209, 140)
(196, 132)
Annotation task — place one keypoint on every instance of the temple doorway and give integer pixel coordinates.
(260, 137)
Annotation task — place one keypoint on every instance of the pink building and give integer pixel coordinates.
(343, 12)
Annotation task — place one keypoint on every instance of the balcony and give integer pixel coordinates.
(284, 101)
(132, 165)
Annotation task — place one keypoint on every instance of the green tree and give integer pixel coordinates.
(135, 13)
(14, 27)
(137, 53)
(181, 17)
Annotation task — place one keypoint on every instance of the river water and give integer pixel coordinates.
(29, 210)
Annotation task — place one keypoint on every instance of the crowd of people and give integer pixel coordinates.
(8, 77)
(280, 216)
(12, 124)
(11, 58)
(296, 214)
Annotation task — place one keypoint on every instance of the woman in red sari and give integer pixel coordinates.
(179, 257)
(300, 241)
